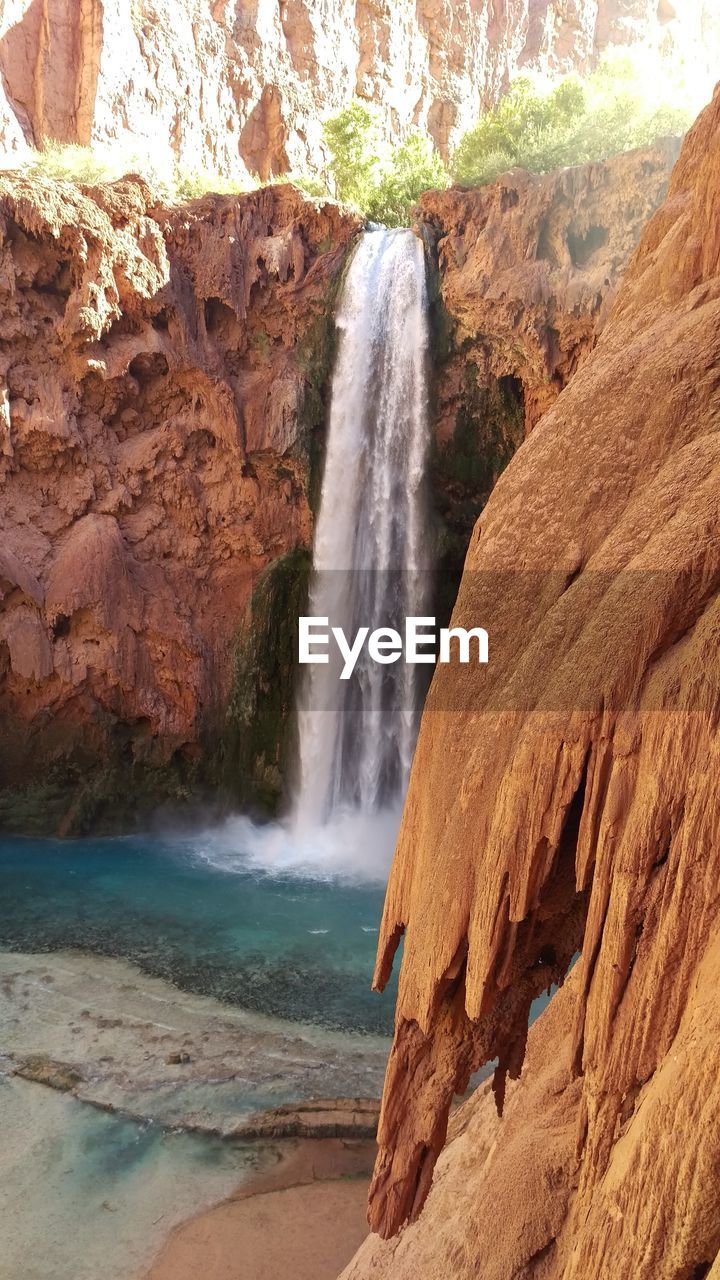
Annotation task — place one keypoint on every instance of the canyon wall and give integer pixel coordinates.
(162, 383)
(243, 88)
(564, 799)
(164, 376)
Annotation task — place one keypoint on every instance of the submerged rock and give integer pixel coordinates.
(42, 1070)
(321, 1118)
(179, 1060)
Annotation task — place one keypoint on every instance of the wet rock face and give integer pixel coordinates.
(243, 88)
(161, 383)
(525, 272)
(564, 797)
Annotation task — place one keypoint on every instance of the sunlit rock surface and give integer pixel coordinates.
(564, 798)
(244, 88)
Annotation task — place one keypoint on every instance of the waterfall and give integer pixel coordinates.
(372, 555)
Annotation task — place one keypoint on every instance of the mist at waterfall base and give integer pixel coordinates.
(372, 567)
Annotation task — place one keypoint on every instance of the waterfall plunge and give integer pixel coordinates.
(372, 557)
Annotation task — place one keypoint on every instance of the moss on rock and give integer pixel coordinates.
(74, 797)
(259, 736)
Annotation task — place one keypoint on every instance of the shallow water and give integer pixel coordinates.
(240, 913)
(250, 916)
(85, 1195)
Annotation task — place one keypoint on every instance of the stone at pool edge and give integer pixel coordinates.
(320, 1118)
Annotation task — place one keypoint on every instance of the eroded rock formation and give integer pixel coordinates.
(565, 798)
(243, 88)
(161, 394)
(163, 378)
(527, 269)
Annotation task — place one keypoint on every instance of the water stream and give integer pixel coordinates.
(372, 554)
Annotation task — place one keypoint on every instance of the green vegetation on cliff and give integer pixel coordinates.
(380, 182)
(171, 183)
(81, 793)
(542, 128)
(629, 101)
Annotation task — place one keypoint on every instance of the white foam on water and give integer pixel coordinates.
(350, 846)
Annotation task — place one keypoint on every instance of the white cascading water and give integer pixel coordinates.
(372, 552)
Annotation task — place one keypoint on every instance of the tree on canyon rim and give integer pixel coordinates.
(382, 183)
(538, 128)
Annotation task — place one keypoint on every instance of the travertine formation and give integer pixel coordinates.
(238, 88)
(163, 378)
(564, 799)
(504, 1188)
(489, 1213)
(161, 382)
(527, 269)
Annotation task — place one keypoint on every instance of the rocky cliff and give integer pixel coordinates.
(163, 382)
(162, 376)
(525, 271)
(564, 800)
(238, 88)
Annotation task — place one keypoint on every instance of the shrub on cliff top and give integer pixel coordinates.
(352, 138)
(106, 162)
(382, 183)
(415, 166)
(102, 162)
(540, 129)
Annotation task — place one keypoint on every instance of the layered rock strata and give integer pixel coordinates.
(564, 798)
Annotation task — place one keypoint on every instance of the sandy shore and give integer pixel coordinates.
(303, 1220)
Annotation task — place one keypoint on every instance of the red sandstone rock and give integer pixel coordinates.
(154, 371)
(502, 1186)
(565, 797)
(529, 266)
(157, 372)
